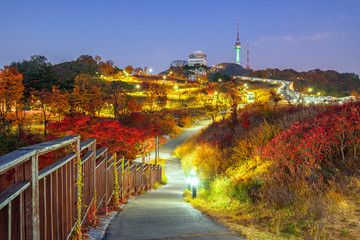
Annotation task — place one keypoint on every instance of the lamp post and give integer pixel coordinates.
(157, 146)
(192, 181)
(157, 153)
(177, 88)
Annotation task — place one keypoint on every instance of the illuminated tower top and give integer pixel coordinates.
(238, 44)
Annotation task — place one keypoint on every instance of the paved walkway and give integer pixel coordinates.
(162, 213)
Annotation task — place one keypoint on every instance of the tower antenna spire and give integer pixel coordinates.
(238, 30)
(247, 59)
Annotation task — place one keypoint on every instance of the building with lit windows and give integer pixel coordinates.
(197, 57)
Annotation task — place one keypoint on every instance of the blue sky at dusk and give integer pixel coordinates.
(302, 35)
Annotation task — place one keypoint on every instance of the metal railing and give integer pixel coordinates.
(43, 204)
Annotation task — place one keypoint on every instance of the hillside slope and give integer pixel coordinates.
(290, 173)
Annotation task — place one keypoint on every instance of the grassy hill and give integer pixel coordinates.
(292, 173)
(230, 69)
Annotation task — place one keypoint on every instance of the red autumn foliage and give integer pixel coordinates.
(329, 141)
(245, 122)
(119, 138)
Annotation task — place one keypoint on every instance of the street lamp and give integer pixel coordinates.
(177, 88)
(164, 77)
(137, 86)
(310, 90)
(192, 181)
(157, 147)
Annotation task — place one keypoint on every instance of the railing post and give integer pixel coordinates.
(19, 177)
(76, 174)
(35, 192)
(31, 204)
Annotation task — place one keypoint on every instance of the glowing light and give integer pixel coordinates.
(188, 180)
(194, 181)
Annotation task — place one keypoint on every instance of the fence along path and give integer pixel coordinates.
(43, 204)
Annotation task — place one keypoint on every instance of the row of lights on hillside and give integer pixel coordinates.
(310, 90)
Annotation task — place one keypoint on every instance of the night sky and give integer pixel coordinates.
(302, 35)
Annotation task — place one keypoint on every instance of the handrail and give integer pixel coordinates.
(45, 201)
(56, 165)
(101, 152)
(50, 146)
(85, 144)
(86, 157)
(15, 158)
(12, 192)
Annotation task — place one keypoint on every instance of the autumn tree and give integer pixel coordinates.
(119, 98)
(275, 97)
(211, 109)
(151, 95)
(177, 67)
(162, 95)
(88, 94)
(235, 94)
(107, 67)
(146, 70)
(49, 103)
(37, 73)
(11, 94)
(138, 71)
(129, 69)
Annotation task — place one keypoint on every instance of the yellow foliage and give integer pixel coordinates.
(251, 168)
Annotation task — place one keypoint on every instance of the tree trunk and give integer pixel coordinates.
(45, 126)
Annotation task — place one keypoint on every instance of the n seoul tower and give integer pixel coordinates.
(237, 45)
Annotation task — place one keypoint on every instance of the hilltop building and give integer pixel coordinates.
(197, 57)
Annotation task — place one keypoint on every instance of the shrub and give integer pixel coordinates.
(10, 142)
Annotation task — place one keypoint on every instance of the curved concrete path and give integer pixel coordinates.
(162, 213)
